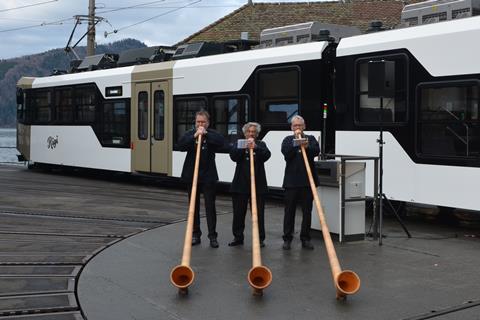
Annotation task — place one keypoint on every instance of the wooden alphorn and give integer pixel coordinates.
(182, 275)
(259, 277)
(346, 282)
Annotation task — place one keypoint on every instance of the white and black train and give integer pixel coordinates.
(129, 118)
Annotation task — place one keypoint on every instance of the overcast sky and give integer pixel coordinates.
(34, 26)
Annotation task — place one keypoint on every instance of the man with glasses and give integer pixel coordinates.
(296, 182)
(212, 142)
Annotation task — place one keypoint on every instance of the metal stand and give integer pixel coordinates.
(382, 196)
(397, 216)
(324, 132)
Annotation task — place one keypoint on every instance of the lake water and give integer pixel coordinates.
(8, 139)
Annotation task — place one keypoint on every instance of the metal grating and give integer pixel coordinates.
(303, 32)
(438, 10)
(29, 304)
(48, 316)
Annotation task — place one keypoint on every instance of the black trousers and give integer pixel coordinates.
(209, 195)
(240, 204)
(293, 196)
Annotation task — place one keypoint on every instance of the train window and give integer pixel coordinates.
(20, 113)
(158, 114)
(279, 95)
(448, 121)
(64, 105)
(229, 115)
(184, 114)
(116, 123)
(286, 110)
(85, 101)
(367, 109)
(142, 115)
(40, 106)
(41, 103)
(20, 105)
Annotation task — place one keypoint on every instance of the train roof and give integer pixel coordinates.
(120, 74)
(226, 72)
(444, 49)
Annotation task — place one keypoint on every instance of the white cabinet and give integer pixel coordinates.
(352, 221)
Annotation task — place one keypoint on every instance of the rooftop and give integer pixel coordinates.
(253, 18)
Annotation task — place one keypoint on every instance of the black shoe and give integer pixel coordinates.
(235, 242)
(213, 243)
(286, 245)
(307, 245)
(262, 244)
(196, 241)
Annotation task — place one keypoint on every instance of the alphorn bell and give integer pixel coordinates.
(259, 277)
(346, 282)
(182, 275)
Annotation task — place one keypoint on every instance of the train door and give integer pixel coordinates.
(159, 148)
(151, 148)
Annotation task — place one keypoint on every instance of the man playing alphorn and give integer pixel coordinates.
(296, 183)
(240, 187)
(212, 142)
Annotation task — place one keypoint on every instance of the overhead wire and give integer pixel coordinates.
(138, 6)
(42, 24)
(57, 22)
(130, 7)
(149, 6)
(60, 22)
(151, 18)
(193, 7)
(20, 19)
(144, 5)
(28, 5)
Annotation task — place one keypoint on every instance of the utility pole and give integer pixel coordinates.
(90, 33)
(91, 28)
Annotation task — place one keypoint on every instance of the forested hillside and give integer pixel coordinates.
(42, 64)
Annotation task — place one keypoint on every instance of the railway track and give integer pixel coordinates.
(42, 256)
(52, 225)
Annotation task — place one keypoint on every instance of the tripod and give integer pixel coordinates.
(382, 196)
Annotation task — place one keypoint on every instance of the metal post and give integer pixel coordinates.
(91, 28)
(342, 201)
(324, 130)
(380, 184)
(375, 200)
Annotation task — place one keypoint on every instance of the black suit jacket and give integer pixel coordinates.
(241, 179)
(207, 172)
(295, 171)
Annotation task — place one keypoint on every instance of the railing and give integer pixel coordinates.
(464, 141)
